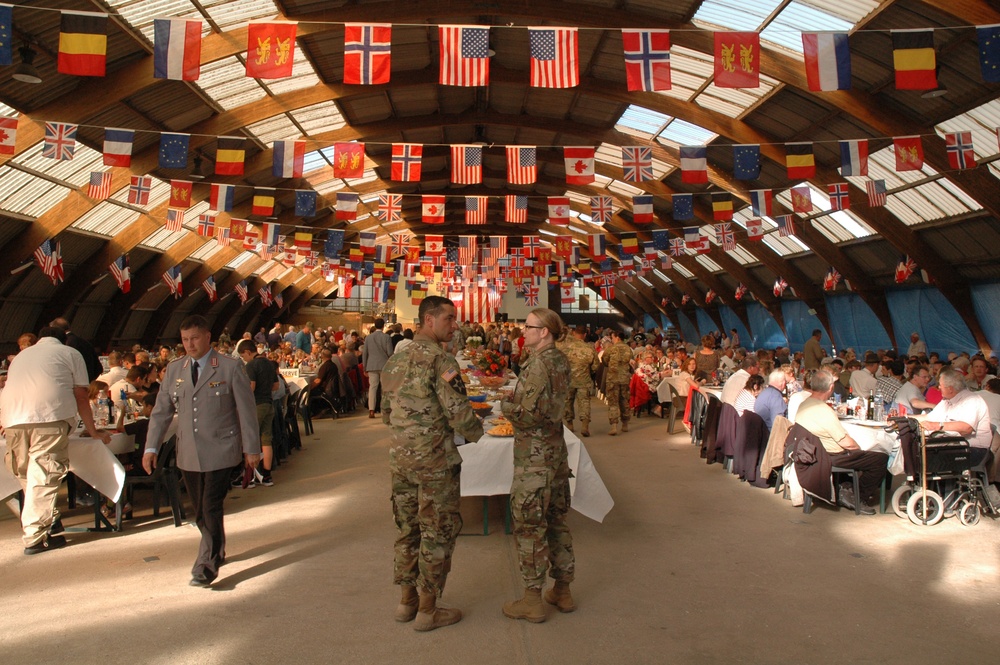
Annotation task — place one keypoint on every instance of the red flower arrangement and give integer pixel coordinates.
(490, 363)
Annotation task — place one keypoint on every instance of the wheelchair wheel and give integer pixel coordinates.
(923, 512)
(969, 514)
(900, 498)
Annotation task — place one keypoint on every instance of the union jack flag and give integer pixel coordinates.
(406, 161)
(960, 152)
(475, 209)
(400, 241)
(174, 279)
(49, 259)
(390, 207)
(904, 269)
(466, 164)
(265, 295)
(241, 292)
(100, 185)
(637, 163)
(522, 166)
(676, 247)
(531, 295)
(138, 190)
(515, 209)
(779, 287)
(725, 237)
(60, 140)
(741, 291)
(601, 209)
(840, 196)
(209, 286)
(831, 280)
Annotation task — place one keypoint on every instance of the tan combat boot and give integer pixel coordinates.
(530, 607)
(407, 608)
(585, 430)
(430, 616)
(560, 596)
(614, 429)
(624, 425)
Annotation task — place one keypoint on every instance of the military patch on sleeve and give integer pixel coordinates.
(452, 377)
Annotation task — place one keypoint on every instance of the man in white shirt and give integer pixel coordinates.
(911, 393)
(917, 346)
(991, 395)
(738, 381)
(726, 362)
(863, 381)
(46, 388)
(961, 411)
(117, 371)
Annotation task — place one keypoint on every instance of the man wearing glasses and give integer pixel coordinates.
(911, 393)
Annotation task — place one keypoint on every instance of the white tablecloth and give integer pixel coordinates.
(295, 384)
(869, 437)
(663, 390)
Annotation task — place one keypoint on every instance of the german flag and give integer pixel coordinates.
(230, 155)
(914, 60)
(83, 43)
(263, 202)
(799, 161)
(722, 206)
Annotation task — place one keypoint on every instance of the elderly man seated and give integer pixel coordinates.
(771, 402)
(816, 416)
(738, 381)
(912, 393)
(964, 412)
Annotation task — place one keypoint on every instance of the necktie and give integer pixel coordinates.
(194, 373)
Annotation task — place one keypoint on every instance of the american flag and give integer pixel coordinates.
(876, 193)
(206, 225)
(467, 250)
(786, 225)
(498, 245)
(516, 209)
(464, 55)
(49, 259)
(475, 209)
(647, 59)
(406, 161)
(174, 280)
(222, 235)
(175, 220)
(390, 207)
(522, 165)
(60, 140)
(138, 190)
(637, 163)
(279, 299)
(265, 295)
(554, 59)
(241, 292)
(725, 237)
(209, 286)
(100, 185)
(741, 290)
(400, 241)
(676, 247)
(466, 164)
(601, 209)
(960, 152)
(120, 272)
(367, 53)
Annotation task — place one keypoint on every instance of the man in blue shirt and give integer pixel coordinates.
(771, 402)
(304, 340)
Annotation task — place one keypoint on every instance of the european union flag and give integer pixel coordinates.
(606, 265)
(989, 52)
(661, 239)
(683, 206)
(334, 243)
(6, 34)
(174, 150)
(368, 269)
(746, 162)
(305, 203)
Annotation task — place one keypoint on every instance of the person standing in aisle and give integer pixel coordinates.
(583, 364)
(424, 402)
(618, 359)
(216, 428)
(539, 493)
(374, 354)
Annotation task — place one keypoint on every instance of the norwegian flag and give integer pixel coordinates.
(904, 269)
(606, 283)
(522, 164)
(601, 209)
(400, 241)
(960, 152)
(831, 279)
(209, 286)
(559, 210)
(515, 209)
(174, 280)
(138, 190)
(60, 141)
(741, 290)
(725, 237)
(367, 53)
(637, 163)
(100, 185)
(475, 209)
(647, 59)
(48, 256)
(120, 272)
(876, 193)
(466, 164)
(407, 160)
(390, 207)
(175, 220)
(779, 287)
(554, 58)
(266, 299)
(241, 292)
(531, 246)
(206, 225)
(840, 198)
(677, 247)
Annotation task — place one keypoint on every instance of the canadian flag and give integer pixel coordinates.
(433, 245)
(433, 209)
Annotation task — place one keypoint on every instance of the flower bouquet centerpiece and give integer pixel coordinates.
(491, 369)
(473, 343)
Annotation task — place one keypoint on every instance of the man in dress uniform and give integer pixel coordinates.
(216, 429)
(583, 363)
(424, 401)
(617, 358)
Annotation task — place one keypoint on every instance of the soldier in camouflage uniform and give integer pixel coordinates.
(617, 358)
(539, 494)
(583, 363)
(424, 401)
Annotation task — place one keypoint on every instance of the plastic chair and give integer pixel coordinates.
(165, 477)
(302, 406)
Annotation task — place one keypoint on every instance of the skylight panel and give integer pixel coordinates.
(642, 121)
(850, 11)
(206, 251)
(226, 82)
(106, 219)
(242, 258)
(735, 101)
(742, 15)
(228, 14)
(323, 117)
(683, 271)
(680, 132)
(303, 76)
(786, 29)
(140, 15)
(161, 239)
(709, 264)
(276, 128)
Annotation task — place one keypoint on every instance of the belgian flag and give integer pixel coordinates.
(800, 161)
(722, 206)
(83, 43)
(914, 60)
(263, 202)
(230, 155)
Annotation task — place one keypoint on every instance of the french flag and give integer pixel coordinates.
(289, 157)
(692, 236)
(176, 49)
(642, 209)
(828, 60)
(854, 157)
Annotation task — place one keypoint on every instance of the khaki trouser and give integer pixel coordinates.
(39, 456)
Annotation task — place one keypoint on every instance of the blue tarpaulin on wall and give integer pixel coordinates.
(766, 332)
(705, 324)
(927, 312)
(730, 321)
(855, 325)
(986, 300)
(688, 330)
(799, 324)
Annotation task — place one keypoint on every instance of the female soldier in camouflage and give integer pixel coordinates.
(539, 495)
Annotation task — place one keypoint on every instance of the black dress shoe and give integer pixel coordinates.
(200, 581)
(51, 543)
(846, 499)
(57, 527)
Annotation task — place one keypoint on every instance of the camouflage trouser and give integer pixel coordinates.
(618, 408)
(539, 501)
(425, 508)
(581, 397)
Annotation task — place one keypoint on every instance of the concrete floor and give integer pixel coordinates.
(691, 566)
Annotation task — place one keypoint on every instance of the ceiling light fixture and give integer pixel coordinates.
(26, 72)
(939, 91)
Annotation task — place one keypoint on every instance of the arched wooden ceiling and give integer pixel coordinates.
(414, 108)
